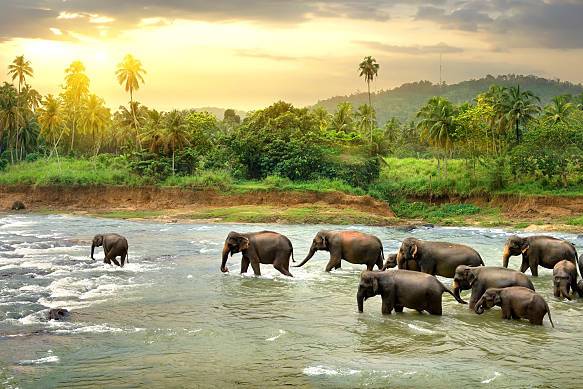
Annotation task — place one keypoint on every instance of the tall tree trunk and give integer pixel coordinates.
(369, 111)
(173, 170)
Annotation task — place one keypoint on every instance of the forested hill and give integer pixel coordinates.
(404, 101)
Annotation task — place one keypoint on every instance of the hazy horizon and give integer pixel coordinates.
(229, 55)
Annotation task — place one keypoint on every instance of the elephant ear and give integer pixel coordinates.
(244, 245)
(414, 251)
(497, 299)
(524, 248)
(325, 241)
(375, 285)
(471, 277)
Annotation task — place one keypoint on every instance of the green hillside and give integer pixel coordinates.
(404, 101)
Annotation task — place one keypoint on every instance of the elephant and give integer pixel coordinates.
(114, 245)
(565, 278)
(265, 247)
(436, 258)
(539, 250)
(517, 302)
(478, 279)
(402, 288)
(391, 262)
(58, 314)
(352, 246)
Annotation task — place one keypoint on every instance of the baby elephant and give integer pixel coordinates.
(565, 278)
(402, 288)
(114, 245)
(517, 302)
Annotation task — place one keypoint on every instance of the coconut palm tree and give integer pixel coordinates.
(76, 90)
(437, 125)
(369, 69)
(20, 69)
(131, 73)
(95, 119)
(176, 133)
(559, 109)
(52, 122)
(342, 120)
(520, 107)
(31, 97)
(365, 118)
(10, 116)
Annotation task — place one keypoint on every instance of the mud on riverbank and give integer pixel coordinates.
(529, 212)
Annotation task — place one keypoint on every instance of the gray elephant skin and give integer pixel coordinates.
(565, 279)
(517, 302)
(402, 289)
(436, 258)
(352, 246)
(539, 250)
(114, 245)
(263, 247)
(479, 279)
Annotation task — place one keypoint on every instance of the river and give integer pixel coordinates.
(170, 316)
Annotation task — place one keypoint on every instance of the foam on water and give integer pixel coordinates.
(281, 332)
(321, 370)
(487, 381)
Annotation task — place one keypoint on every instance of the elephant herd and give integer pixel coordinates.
(413, 284)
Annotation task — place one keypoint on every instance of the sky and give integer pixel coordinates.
(248, 54)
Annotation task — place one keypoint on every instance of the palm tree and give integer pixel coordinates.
(365, 118)
(95, 118)
(10, 115)
(20, 68)
(579, 101)
(52, 121)
(323, 117)
(559, 109)
(76, 89)
(130, 72)
(176, 134)
(369, 69)
(342, 120)
(31, 97)
(437, 125)
(520, 107)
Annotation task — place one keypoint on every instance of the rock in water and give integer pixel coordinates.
(17, 205)
(58, 314)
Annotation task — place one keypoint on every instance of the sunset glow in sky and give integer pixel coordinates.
(248, 54)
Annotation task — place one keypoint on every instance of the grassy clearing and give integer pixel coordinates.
(133, 214)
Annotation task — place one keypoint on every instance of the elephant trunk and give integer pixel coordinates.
(92, 250)
(565, 292)
(360, 301)
(479, 308)
(226, 251)
(456, 292)
(308, 257)
(505, 256)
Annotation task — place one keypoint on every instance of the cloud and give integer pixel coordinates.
(412, 50)
(555, 24)
(261, 54)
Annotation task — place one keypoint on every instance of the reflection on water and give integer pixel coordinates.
(172, 316)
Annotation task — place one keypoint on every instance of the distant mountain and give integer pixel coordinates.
(219, 112)
(404, 101)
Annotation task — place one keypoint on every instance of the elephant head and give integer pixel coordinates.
(407, 255)
(391, 262)
(515, 245)
(234, 243)
(490, 298)
(320, 242)
(369, 286)
(561, 284)
(463, 279)
(97, 242)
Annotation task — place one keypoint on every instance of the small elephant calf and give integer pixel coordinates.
(402, 289)
(565, 278)
(517, 302)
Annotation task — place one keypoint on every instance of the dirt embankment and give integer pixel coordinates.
(100, 198)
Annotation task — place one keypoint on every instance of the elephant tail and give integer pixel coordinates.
(549, 313)
(292, 255)
(481, 260)
(455, 296)
(128, 256)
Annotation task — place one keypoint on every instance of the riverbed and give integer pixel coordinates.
(170, 316)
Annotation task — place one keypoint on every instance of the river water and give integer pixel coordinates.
(171, 316)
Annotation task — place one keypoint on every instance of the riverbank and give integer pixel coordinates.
(537, 213)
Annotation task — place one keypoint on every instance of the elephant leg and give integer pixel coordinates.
(399, 308)
(279, 266)
(523, 266)
(534, 270)
(506, 312)
(255, 266)
(244, 265)
(338, 266)
(387, 306)
(477, 292)
(123, 259)
(115, 261)
(334, 263)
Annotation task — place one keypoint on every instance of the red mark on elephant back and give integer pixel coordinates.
(352, 234)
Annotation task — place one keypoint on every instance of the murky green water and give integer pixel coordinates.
(172, 317)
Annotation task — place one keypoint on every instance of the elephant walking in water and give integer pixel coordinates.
(265, 247)
(353, 246)
(539, 250)
(114, 245)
